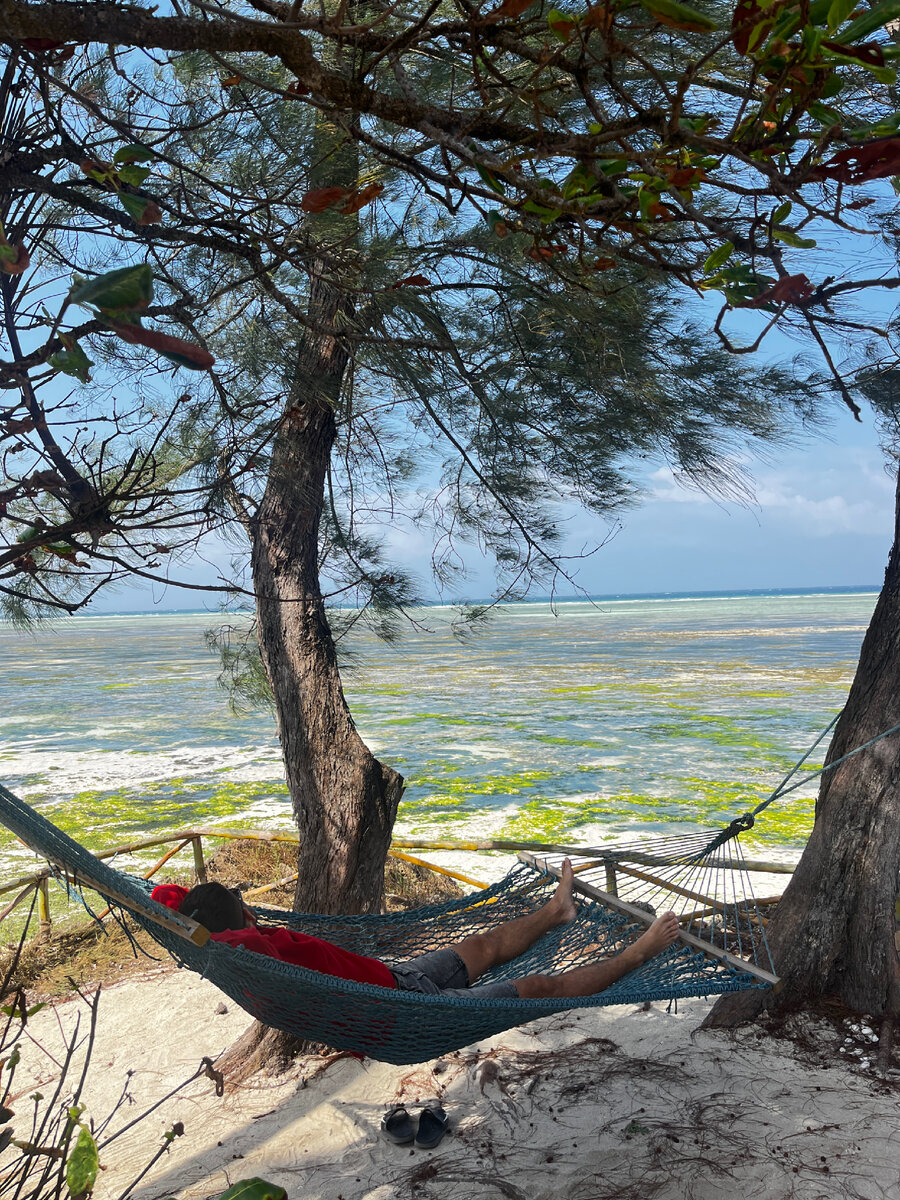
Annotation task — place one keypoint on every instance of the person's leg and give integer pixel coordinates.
(482, 951)
(588, 980)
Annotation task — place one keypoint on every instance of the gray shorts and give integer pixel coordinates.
(443, 972)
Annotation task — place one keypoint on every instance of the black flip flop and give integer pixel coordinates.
(397, 1126)
(433, 1124)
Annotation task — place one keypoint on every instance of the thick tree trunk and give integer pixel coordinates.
(344, 800)
(833, 932)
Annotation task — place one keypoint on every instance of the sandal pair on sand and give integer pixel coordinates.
(397, 1125)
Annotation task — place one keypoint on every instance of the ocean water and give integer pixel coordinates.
(579, 724)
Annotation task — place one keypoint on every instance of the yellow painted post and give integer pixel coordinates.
(43, 890)
(199, 864)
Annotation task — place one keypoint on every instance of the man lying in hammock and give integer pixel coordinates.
(452, 971)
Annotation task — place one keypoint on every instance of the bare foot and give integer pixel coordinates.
(661, 934)
(562, 897)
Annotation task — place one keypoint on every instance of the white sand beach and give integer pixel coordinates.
(614, 1102)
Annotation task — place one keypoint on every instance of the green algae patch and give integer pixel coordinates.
(440, 718)
(786, 822)
(588, 743)
(486, 785)
(540, 821)
(101, 818)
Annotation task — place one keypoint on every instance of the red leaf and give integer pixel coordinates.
(231, 81)
(60, 51)
(14, 427)
(662, 212)
(163, 342)
(746, 18)
(604, 264)
(152, 214)
(790, 289)
(412, 281)
(597, 16)
(299, 89)
(320, 199)
(684, 177)
(563, 28)
(868, 52)
(361, 198)
(18, 265)
(858, 164)
(511, 8)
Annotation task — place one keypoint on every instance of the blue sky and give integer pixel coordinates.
(822, 517)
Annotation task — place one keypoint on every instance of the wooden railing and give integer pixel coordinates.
(39, 881)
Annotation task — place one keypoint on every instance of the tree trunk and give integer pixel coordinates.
(344, 800)
(833, 932)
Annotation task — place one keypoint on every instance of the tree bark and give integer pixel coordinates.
(833, 932)
(344, 800)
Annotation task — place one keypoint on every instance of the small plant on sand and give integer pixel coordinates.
(50, 1148)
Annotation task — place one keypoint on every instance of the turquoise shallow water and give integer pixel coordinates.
(578, 725)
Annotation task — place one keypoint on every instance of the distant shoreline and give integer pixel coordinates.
(600, 598)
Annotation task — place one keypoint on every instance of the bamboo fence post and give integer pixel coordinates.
(43, 891)
(199, 864)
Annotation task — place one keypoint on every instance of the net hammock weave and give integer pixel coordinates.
(618, 888)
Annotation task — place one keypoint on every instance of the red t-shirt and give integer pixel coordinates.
(289, 945)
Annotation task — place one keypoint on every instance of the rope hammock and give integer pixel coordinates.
(721, 949)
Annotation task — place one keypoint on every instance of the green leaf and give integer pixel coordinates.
(254, 1189)
(128, 288)
(839, 11)
(679, 16)
(718, 258)
(825, 115)
(542, 211)
(579, 182)
(782, 212)
(133, 175)
(134, 153)
(491, 180)
(135, 206)
(647, 197)
(72, 361)
(792, 239)
(83, 1164)
(871, 21)
(561, 24)
(498, 225)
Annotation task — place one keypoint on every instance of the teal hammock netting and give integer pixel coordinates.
(700, 875)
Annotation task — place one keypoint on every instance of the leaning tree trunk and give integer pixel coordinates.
(344, 799)
(834, 930)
